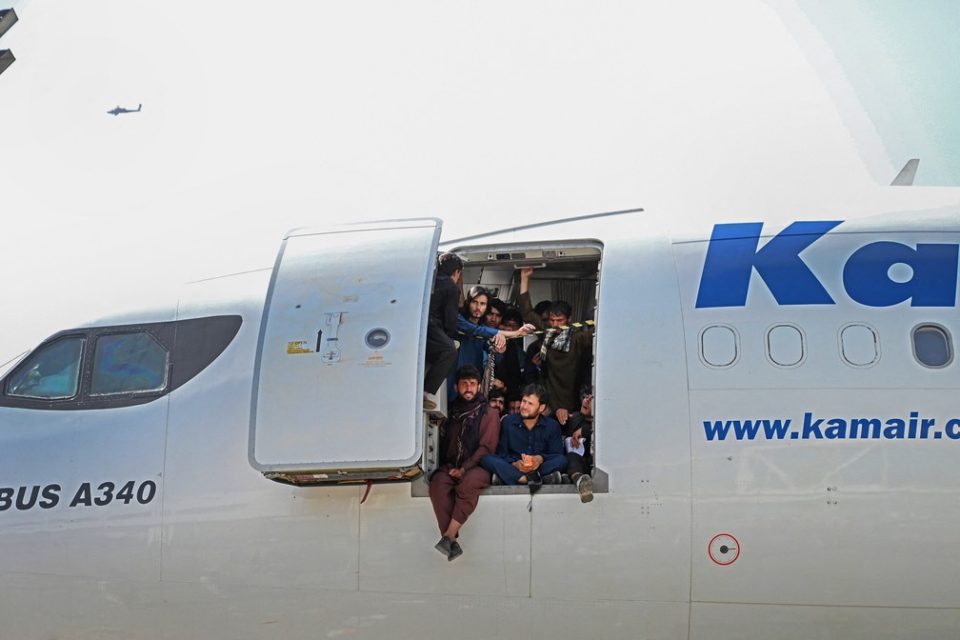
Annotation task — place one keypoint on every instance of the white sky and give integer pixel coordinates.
(260, 117)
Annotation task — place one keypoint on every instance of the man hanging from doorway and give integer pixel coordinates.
(471, 432)
(442, 326)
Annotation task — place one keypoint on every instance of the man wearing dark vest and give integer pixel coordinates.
(471, 432)
(442, 326)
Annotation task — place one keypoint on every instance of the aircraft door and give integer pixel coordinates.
(338, 381)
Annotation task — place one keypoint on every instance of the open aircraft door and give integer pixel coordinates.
(338, 381)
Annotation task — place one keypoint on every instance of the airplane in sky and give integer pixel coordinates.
(776, 443)
(117, 110)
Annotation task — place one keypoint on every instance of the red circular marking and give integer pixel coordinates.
(710, 552)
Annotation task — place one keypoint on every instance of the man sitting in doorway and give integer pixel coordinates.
(531, 445)
(471, 432)
(578, 432)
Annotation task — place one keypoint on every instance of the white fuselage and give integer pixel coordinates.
(847, 537)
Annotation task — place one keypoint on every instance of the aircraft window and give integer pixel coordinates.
(931, 346)
(52, 373)
(859, 345)
(128, 363)
(719, 346)
(785, 345)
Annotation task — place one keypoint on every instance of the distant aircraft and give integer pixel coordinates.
(117, 110)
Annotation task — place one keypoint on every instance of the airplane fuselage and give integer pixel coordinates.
(777, 435)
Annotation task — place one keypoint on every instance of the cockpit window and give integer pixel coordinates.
(52, 373)
(121, 366)
(128, 363)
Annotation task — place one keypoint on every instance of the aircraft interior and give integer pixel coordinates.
(563, 271)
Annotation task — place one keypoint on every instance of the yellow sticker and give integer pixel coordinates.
(375, 360)
(298, 346)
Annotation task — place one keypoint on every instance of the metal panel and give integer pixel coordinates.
(338, 379)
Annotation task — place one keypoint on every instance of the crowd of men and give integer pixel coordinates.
(515, 417)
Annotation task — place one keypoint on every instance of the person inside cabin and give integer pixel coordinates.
(530, 450)
(496, 401)
(578, 433)
(471, 432)
(441, 353)
(476, 336)
(509, 364)
(532, 364)
(513, 403)
(494, 315)
(565, 353)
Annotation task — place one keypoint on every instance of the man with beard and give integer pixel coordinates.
(476, 335)
(471, 432)
(531, 446)
(565, 355)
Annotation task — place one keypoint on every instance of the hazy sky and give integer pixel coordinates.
(902, 60)
(260, 117)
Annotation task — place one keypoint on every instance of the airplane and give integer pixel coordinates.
(117, 110)
(775, 455)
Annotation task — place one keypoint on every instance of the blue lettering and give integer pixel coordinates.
(811, 427)
(776, 429)
(837, 429)
(732, 256)
(746, 429)
(953, 429)
(933, 284)
(865, 428)
(895, 429)
(715, 430)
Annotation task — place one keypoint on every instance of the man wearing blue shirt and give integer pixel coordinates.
(531, 444)
(475, 334)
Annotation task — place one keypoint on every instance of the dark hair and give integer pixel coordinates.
(469, 372)
(586, 390)
(512, 314)
(559, 307)
(498, 304)
(537, 390)
(495, 393)
(447, 263)
(542, 307)
(474, 293)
